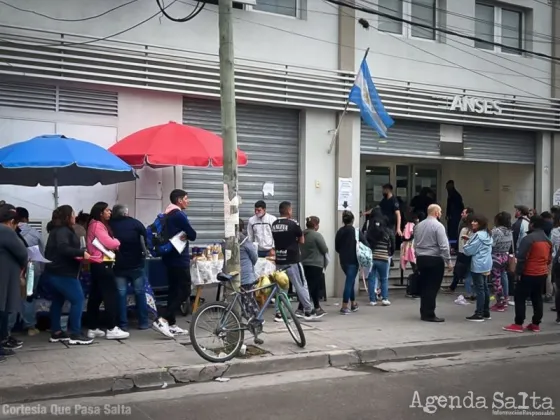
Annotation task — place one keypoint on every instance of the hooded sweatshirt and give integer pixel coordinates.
(502, 240)
(479, 247)
(178, 221)
(314, 249)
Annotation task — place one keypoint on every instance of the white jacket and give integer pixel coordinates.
(259, 229)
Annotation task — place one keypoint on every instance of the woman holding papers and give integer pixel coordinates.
(102, 246)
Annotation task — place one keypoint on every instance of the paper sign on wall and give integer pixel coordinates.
(556, 198)
(344, 194)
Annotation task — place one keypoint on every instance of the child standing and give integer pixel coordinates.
(502, 245)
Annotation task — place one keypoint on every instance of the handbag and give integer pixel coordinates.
(512, 260)
(363, 252)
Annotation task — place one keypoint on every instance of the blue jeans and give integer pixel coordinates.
(351, 272)
(505, 283)
(380, 270)
(66, 289)
(480, 283)
(137, 279)
(27, 313)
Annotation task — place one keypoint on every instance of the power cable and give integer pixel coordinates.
(197, 9)
(94, 40)
(489, 61)
(442, 30)
(64, 19)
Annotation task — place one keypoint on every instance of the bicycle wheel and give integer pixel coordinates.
(285, 308)
(225, 325)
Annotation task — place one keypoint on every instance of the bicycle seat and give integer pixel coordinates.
(224, 277)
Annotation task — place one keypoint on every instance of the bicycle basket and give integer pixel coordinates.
(282, 279)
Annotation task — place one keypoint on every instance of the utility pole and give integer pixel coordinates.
(229, 135)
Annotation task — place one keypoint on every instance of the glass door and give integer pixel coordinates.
(376, 177)
(425, 177)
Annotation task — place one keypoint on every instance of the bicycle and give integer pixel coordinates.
(230, 328)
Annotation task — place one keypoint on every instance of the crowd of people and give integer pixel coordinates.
(113, 245)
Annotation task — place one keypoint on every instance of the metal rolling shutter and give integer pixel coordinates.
(405, 138)
(270, 137)
(499, 145)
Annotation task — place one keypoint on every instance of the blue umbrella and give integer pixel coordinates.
(57, 161)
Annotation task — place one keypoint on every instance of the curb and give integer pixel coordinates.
(151, 379)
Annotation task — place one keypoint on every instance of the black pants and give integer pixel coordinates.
(529, 287)
(314, 277)
(179, 282)
(430, 270)
(103, 289)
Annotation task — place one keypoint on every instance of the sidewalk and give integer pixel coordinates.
(43, 370)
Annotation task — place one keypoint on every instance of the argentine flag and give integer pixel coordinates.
(365, 96)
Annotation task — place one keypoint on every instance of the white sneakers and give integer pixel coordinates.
(114, 334)
(162, 326)
(384, 302)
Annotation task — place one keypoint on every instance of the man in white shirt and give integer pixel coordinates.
(259, 229)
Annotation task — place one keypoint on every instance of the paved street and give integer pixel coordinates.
(43, 364)
(341, 394)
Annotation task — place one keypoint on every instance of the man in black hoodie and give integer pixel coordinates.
(129, 264)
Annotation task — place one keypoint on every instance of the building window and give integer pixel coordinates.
(417, 11)
(393, 8)
(498, 25)
(278, 7)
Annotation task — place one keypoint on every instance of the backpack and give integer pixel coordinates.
(157, 236)
(363, 252)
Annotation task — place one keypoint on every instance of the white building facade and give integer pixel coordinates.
(464, 110)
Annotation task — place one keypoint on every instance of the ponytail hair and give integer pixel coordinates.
(312, 222)
(62, 216)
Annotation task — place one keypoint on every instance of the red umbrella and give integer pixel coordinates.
(173, 144)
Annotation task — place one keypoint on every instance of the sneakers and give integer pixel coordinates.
(176, 330)
(475, 318)
(386, 302)
(372, 303)
(59, 337)
(354, 307)
(96, 333)
(533, 328)
(344, 311)
(11, 343)
(461, 300)
(299, 313)
(320, 313)
(514, 328)
(116, 334)
(79, 340)
(161, 326)
(6, 352)
(498, 308)
(487, 317)
(310, 316)
(32, 331)
(278, 317)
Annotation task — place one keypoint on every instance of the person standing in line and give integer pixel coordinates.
(479, 248)
(462, 269)
(288, 236)
(382, 244)
(390, 208)
(259, 229)
(177, 265)
(502, 247)
(64, 251)
(521, 226)
(346, 247)
(13, 260)
(32, 237)
(432, 255)
(555, 239)
(129, 264)
(103, 284)
(453, 211)
(534, 257)
(548, 226)
(314, 253)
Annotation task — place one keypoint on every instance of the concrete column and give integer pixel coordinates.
(543, 172)
(347, 162)
(555, 93)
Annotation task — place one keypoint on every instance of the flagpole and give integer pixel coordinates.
(335, 134)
